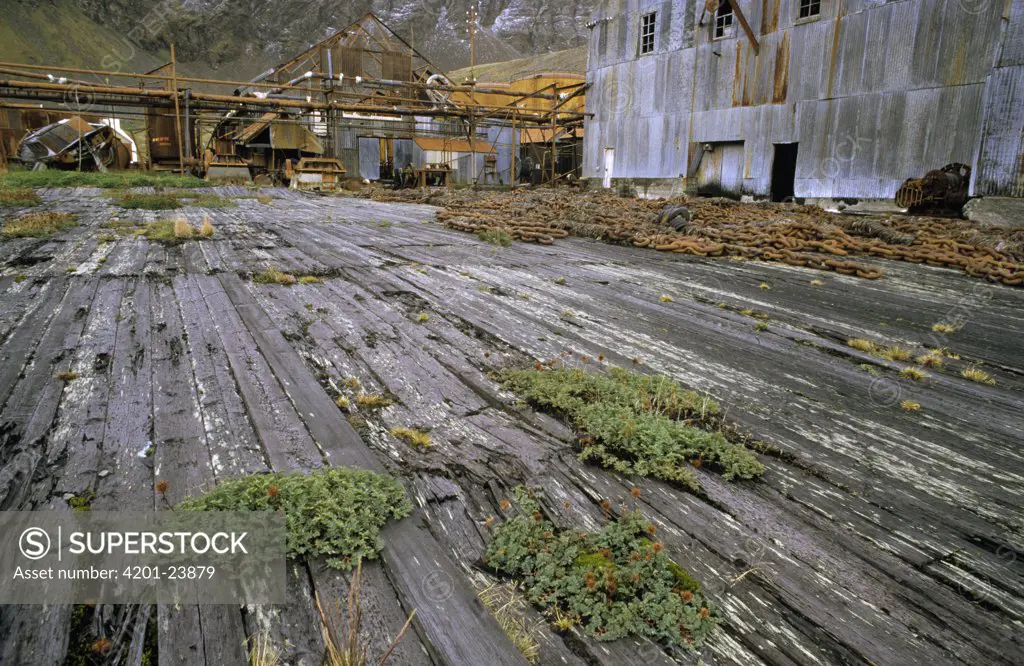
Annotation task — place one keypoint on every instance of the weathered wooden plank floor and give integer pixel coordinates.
(876, 536)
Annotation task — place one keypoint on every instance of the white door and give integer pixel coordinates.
(609, 166)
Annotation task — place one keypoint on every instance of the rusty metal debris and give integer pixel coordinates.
(941, 190)
(318, 174)
(73, 143)
(787, 233)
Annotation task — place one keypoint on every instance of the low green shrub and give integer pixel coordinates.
(634, 423)
(336, 512)
(497, 237)
(616, 582)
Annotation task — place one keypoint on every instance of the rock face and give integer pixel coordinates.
(217, 33)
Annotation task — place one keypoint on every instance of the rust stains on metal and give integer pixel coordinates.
(781, 77)
(769, 16)
(737, 77)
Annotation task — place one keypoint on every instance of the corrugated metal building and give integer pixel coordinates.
(822, 98)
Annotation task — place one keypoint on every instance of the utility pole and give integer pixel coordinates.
(471, 17)
(177, 110)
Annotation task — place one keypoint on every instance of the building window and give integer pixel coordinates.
(723, 20)
(647, 26)
(809, 8)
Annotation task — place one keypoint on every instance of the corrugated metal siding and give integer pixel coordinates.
(900, 83)
(1000, 169)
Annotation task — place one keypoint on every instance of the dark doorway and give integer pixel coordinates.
(784, 171)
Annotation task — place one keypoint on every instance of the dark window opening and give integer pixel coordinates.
(809, 8)
(723, 20)
(647, 27)
(784, 172)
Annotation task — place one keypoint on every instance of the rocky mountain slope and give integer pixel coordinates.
(240, 37)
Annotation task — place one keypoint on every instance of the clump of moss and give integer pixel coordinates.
(310, 279)
(82, 502)
(160, 201)
(110, 179)
(498, 237)
(422, 318)
(210, 201)
(615, 582)
(761, 326)
(38, 225)
(417, 439)
(665, 298)
(896, 353)
(916, 374)
(67, 376)
(336, 513)
(19, 196)
(946, 329)
(635, 423)
(343, 403)
(274, 276)
(169, 230)
(910, 406)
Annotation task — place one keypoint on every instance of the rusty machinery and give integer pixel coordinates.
(944, 189)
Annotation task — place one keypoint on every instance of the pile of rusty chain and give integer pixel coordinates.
(795, 235)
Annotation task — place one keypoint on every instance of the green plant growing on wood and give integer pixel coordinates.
(274, 276)
(108, 180)
(336, 513)
(133, 201)
(497, 237)
(617, 582)
(38, 225)
(66, 376)
(19, 196)
(634, 423)
(373, 401)
(417, 439)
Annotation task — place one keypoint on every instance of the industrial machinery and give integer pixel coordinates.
(942, 190)
(319, 174)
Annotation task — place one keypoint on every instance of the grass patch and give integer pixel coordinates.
(917, 374)
(82, 502)
(896, 353)
(616, 581)
(210, 201)
(310, 279)
(132, 201)
(38, 225)
(110, 180)
(930, 360)
(67, 376)
(274, 276)
(761, 326)
(508, 606)
(417, 439)
(860, 344)
(18, 196)
(336, 513)
(946, 329)
(910, 406)
(373, 401)
(169, 230)
(976, 374)
(665, 298)
(634, 423)
(206, 231)
(422, 318)
(498, 237)
(343, 403)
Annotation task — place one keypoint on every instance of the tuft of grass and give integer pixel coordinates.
(38, 225)
(560, 282)
(910, 406)
(67, 376)
(764, 286)
(976, 374)
(506, 603)
(343, 403)
(422, 318)
(310, 279)
(109, 180)
(349, 648)
(896, 353)
(274, 276)
(634, 423)
(261, 651)
(373, 401)
(336, 513)
(149, 201)
(916, 374)
(206, 231)
(417, 439)
(761, 326)
(18, 197)
(665, 298)
(353, 384)
(860, 344)
(82, 502)
(816, 283)
(210, 201)
(497, 237)
(930, 360)
(946, 329)
(617, 582)
(182, 229)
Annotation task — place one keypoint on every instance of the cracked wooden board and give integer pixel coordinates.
(877, 535)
